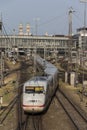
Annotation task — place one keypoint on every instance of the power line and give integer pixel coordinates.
(52, 20)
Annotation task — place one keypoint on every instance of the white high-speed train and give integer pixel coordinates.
(39, 90)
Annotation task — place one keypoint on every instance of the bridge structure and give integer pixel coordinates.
(27, 42)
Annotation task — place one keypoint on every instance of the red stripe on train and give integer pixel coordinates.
(32, 106)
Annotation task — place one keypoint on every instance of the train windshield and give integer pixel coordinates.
(32, 89)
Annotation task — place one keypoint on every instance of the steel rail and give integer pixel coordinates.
(8, 109)
(78, 119)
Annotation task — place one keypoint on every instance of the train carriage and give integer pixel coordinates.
(39, 90)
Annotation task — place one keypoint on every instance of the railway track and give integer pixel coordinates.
(25, 122)
(22, 121)
(37, 122)
(7, 110)
(33, 122)
(78, 118)
(14, 106)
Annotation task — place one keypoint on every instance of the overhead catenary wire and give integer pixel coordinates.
(52, 20)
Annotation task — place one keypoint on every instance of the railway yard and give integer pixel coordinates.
(43, 70)
(67, 111)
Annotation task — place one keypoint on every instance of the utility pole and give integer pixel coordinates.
(35, 53)
(2, 68)
(55, 50)
(70, 22)
(44, 50)
(83, 1)
(1, 60)
(36, 26)
(35, 50)
(70, 40)
(69, 64)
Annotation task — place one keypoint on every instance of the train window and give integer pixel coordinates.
(39, 89)
(32, 89)
(29, 89)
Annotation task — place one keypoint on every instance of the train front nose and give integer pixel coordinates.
(37, 106)
(34, 106)
(34, 103)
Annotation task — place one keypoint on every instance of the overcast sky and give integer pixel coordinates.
(51, 15)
